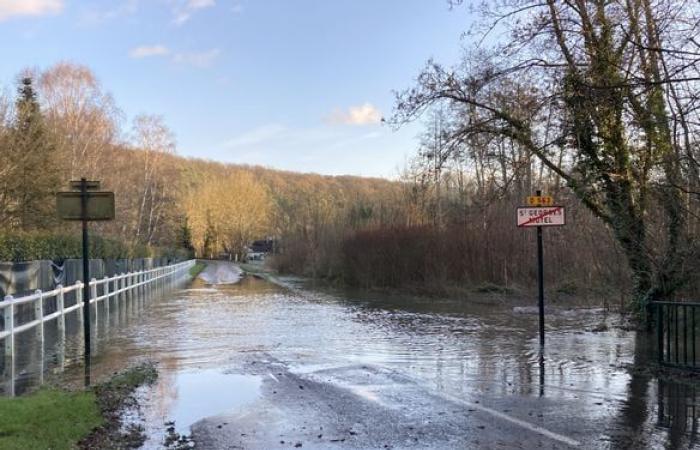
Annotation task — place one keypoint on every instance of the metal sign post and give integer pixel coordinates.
(86, 205)
(542, 213)
(540, 283)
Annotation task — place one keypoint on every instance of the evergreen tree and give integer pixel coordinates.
(36, 176)
(186, 237)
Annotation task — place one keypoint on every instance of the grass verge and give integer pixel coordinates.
(48, 418)
(260, 271)
(59, 419)
(197, 269)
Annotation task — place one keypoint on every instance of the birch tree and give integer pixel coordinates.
(82, 119)
(154, 140)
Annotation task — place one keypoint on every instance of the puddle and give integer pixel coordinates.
(187, 397)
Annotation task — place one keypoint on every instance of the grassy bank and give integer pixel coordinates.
(259, 270)
(49, 418)
(197, 269)
(59, 419)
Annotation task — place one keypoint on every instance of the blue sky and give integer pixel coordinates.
(291, 84)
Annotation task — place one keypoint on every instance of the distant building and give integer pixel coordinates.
(258, 250)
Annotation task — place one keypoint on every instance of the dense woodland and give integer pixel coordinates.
(436, 228)
(60, 124)
(592, 102)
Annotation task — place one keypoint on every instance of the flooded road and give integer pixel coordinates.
(256, 365)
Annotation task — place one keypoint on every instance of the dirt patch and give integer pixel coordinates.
(113, 397)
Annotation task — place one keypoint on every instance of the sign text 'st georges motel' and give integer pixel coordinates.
(541, 216)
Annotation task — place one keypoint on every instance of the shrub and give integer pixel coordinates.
(41, 245)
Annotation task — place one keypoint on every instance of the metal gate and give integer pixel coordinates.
(677, 334)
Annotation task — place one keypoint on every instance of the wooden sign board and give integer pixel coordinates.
(89, 185)
(541, 216)
(100, 205)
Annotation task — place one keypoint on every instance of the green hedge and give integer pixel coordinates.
(34, 246)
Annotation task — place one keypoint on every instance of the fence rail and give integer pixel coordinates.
(677, 334)
(119, 288)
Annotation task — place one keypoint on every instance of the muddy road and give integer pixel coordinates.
(254, 365)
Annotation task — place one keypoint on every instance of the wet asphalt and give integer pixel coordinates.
(364, 407)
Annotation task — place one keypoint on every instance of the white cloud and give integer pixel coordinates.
(198, 59)
(366, 114)
(319, 148)
(146, 51)
(201, 59)
(260, 135)
(183, 12)
(96, 15)
(19, 8)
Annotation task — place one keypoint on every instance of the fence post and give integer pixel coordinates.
(10, 327)
(79, 300)
(108, 293)
(93, 296)
(134, 289)
(60, 306)
(125, 294)
(129, 296)
(93, 291)
(39, 314)
(147, 276)
(137, 276)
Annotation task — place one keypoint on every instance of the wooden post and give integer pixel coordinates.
(39, 314)
(108, 294)
(60, 306)
(10, 327)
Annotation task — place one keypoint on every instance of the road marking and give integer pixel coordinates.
(421, 383)
(527, 425)
(521, 423)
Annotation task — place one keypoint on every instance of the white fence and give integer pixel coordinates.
(121, 288)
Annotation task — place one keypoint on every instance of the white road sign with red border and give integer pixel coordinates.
(542, 216)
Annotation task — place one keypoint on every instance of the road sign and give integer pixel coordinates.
(541, 216)
(541, 213)
(540, 200)
(86, 204)
(100, 205)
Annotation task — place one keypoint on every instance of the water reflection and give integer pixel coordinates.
(584, 379)
(183, 398)
(541, 373)
(61, 354)
(677, 412)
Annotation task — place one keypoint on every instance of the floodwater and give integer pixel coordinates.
(589, 386)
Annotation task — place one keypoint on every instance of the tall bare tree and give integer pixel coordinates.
(600, 80)
(83, 119)
(155, 140)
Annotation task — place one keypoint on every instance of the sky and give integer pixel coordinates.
(297, 85)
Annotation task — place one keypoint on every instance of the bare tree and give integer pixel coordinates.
(152, 137)
(81, 117)
(590, 89)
